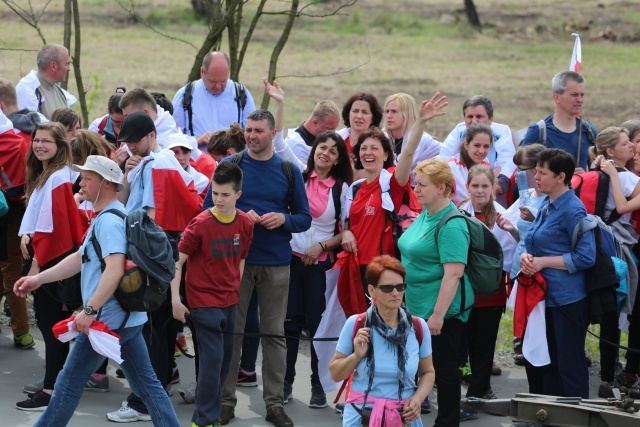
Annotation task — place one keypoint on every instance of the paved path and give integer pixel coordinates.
(19, 367)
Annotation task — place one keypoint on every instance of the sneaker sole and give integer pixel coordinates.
(97, 390)
(318, 405)
(185, 398)
(251, 384)
(40, 409)
(24, 347)
(130, 420)
(28, 390)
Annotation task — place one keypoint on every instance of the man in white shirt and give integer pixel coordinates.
(325, 116)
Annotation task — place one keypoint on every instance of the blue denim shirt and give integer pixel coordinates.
(550, 235)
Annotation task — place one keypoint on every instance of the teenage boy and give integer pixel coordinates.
(216, 242)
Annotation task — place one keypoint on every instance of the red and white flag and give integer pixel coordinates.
(103, 340)
(576, 57)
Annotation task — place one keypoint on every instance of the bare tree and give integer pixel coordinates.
(66, 39)
(30, 16)
(75, 59)
(472, 15)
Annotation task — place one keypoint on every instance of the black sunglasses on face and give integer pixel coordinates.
(387, 289)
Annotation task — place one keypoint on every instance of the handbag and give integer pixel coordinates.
(365, 415)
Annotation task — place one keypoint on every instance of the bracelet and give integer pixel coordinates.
(323, 246)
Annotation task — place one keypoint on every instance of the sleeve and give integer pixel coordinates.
(454, 241)
(299, 219)
(191, 240)
(208, 199)
(451, 145)
(345, 341)
(248, 238)
(425, 347)
(111, 235)
(532, 136)
(178, 109)
(249, 107)
(26, 97)
(427, 149)
(148, 200)
(584, 255)
(506, 151)
(94, 126)
(284, 150)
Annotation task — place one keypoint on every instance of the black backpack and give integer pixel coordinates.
(150, 267)
(241, 102)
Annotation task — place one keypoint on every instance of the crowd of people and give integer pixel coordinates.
(260, 218)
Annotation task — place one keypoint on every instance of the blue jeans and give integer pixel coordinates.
(306, 304)
(83, 361)
(211, 324)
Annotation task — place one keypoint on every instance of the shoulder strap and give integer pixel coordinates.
(39, 98)
(241, 99)
(287, 168)
(237, 158)
(582, 227)
(445, 219)
(94, 241)
(186, 104)
(336, 193)
(542, 135)
(590, 136)
(417, 325)
(144, 165)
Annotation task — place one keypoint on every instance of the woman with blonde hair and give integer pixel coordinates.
(437, 286)
(51, 226)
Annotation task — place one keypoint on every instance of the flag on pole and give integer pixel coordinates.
(576, 57)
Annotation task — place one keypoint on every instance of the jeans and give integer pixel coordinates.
(445, 363)
(212, 323)
(250, 345)
(272, 285)
(83, 361)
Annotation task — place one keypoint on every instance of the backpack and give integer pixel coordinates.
(542, 133)
(241, 102)
(592, 188)
(601, 280)
(287, 168)
(150, 265)
(485, 257)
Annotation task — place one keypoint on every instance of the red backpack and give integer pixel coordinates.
(593, 188)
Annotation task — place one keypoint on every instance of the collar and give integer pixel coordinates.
(561, 200)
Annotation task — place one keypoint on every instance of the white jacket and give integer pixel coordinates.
(26, 91)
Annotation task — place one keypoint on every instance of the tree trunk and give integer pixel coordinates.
(277, 49)
(233, 32)
(247, 38)
(67, 36)
(76, 64)
(472, 15)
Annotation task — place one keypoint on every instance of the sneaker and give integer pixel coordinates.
(605, 390)
(318, 398)
(227, 414)
(495, 369)
(246, 379)
(489, 395)
(340, 408)
(625, 381)
(465, 373)
(287, 392)
(38, 402)
(24, 341)
(119, 373)
(518, 359)
(188, 394)
(468, 414)
(127, 415)
(175, 378)
(277, 417)
(425, 406)
(100, 386)
(35, 387)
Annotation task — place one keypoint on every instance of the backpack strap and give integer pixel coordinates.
(241, 99)
(237, 158)
(585, 224)
(417, 325)
(287, 168)
(186, 105)
(360, 322)
(94, 241)
(336, 193)
(39, 98)
(542, 132)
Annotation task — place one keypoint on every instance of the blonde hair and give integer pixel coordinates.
(607, 138)
(439, 173)
(406, 107)
(488, 212)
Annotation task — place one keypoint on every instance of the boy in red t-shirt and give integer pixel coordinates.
(216, 243)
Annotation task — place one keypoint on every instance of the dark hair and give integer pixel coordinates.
(113, 105)
(527, 155)
(342, 171)
(222, 140)
(472, 131)
(66, 117)
(379, 265)
(374, 133)
(163, 101)
(37, 173)
(558, 161)
(260, 115)
(477, 100)
(370, 99)
(228, 173)
(138, 98)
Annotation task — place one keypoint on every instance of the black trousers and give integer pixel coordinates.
(482, 332)
(445, 347)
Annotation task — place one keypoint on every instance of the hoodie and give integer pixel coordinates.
(26, 120)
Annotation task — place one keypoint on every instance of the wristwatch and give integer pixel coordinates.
(89, 311)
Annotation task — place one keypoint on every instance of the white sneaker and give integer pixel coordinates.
(127, 415)
(189, 394)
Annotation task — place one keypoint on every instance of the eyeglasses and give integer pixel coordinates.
(43, 141)
(525, 169)
(387, 289)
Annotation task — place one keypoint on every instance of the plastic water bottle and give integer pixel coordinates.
(522, 181)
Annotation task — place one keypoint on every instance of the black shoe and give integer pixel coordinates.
(228, 413)
(278, 417)
(287, 392)
(119, 373)
(38, 402)
(340, 408)
(318, 397)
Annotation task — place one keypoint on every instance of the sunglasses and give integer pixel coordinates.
(387, 289)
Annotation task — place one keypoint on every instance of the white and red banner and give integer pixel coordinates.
(576, 57)
(103, 340)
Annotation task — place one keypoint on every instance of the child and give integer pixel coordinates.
(216, 242)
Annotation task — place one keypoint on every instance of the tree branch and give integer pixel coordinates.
(29, 17)
(300, 12)
(337, 72)
(76, 63)
(132, 12)
(247, 37)
(19, 50)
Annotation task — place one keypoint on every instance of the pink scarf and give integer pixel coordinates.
(380, 405)
(318, 194)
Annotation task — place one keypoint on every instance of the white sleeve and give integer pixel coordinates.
(450, 146)
(27, 97)
(283, 149)
(506, 151)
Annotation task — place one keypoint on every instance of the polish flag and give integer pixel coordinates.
(53, 218)
(576, 57)
(12, 155)
(103, 340)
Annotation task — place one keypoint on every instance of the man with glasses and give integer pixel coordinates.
(39, 90)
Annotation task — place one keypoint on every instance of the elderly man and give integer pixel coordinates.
(39, 90)
(213, 102)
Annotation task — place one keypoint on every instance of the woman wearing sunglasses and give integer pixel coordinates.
(435, 278)
(384, 384)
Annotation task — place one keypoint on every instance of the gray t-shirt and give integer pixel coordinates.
(52, 96)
